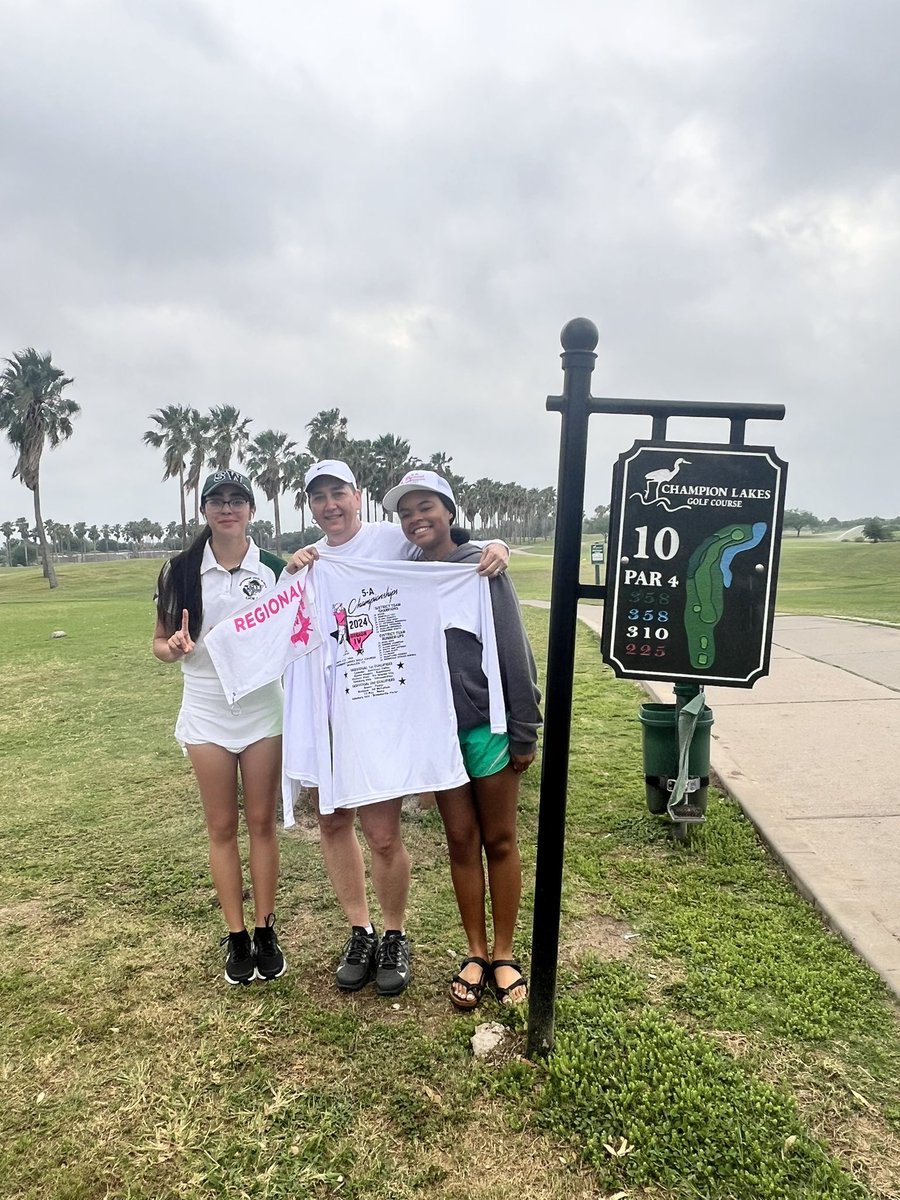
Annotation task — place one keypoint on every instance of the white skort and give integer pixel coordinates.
(206, 717)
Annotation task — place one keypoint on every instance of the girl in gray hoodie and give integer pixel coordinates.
(480, 816)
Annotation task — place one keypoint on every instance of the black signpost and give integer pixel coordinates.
(716, 627)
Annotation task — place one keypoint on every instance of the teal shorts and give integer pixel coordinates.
(484, 753)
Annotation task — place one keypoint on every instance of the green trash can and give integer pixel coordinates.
(660, 741)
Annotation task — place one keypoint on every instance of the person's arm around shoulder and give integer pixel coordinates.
(171, 648)
(494, 559)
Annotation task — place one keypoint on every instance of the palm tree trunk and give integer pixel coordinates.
(277, 525)
(49, 573)
(183, 508)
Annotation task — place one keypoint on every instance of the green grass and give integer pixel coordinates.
(850, 579)
(831, 578)
(739, 1048)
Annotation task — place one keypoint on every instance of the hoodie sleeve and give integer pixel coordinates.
(517, 668)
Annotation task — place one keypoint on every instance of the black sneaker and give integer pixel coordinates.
(392, 975)
(270, 962)
(357, 960)
(239, 965)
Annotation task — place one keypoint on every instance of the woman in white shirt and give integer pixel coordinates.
(217, 575)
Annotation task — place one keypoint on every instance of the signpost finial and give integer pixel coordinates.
(579, 334)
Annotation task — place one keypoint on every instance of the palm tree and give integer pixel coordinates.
(261, 532)
(197, 429)
(440, 462)
(22, 527)
(34, 411)
(51, 529)
(228, 436)
(466, 499)
(173, 437)
(268, 462)
(295, 477)
(392, 461)
(486, 500)
(80, 532)
(359, 455)
(8, 529)
(327, 434)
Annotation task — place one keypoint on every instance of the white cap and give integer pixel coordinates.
(333, 467)
(417, 481)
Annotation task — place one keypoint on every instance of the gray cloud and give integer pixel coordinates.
(395, 210)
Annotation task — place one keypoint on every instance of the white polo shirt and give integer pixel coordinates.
(225, 592)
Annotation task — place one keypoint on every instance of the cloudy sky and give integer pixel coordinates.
(393, 207)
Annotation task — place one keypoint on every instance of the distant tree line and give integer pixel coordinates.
(874, 529)
(36, 413)
(193, 442)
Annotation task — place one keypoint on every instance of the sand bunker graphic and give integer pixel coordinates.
(708, 575)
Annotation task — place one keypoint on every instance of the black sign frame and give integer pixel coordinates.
(648, 632)
(576, 405)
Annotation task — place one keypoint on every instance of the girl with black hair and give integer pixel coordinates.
(217, 575)
(480, 818)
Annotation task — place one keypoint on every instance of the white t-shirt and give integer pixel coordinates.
(253, 646)
(381, 677)
(379, 540)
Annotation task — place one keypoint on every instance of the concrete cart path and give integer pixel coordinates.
(812, 755)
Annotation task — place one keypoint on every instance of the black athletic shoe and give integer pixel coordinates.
(270, 962)
(357, 960)
(239, 965)
(392, 974)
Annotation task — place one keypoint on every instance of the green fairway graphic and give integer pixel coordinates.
(708, 575)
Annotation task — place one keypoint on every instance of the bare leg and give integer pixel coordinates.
(216, 772)
(496, 798)
(344, 862)
(260, 775)
(460, 817)
(390, 861)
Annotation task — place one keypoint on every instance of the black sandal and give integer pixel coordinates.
(502, 993)
(476, 989)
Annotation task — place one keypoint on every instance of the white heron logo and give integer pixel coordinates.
(653, 481)
(654, 478)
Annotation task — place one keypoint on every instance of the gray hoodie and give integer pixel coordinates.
(517, 669)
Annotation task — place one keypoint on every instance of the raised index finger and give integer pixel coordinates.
(185, 620)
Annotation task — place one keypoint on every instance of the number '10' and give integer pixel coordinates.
(665, 544)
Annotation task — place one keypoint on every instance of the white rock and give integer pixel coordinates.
(487, 1038)
(57, 633)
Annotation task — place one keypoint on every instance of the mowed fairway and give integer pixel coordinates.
(844, 579)
(705, 1015)
(817, 575)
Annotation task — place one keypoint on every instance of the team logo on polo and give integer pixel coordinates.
(252, 587)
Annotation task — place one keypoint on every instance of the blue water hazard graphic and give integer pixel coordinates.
(758, 532)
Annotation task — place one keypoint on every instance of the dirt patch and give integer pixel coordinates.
(26, 914)
(491, 1161)
(305, 830)
(600, 935)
